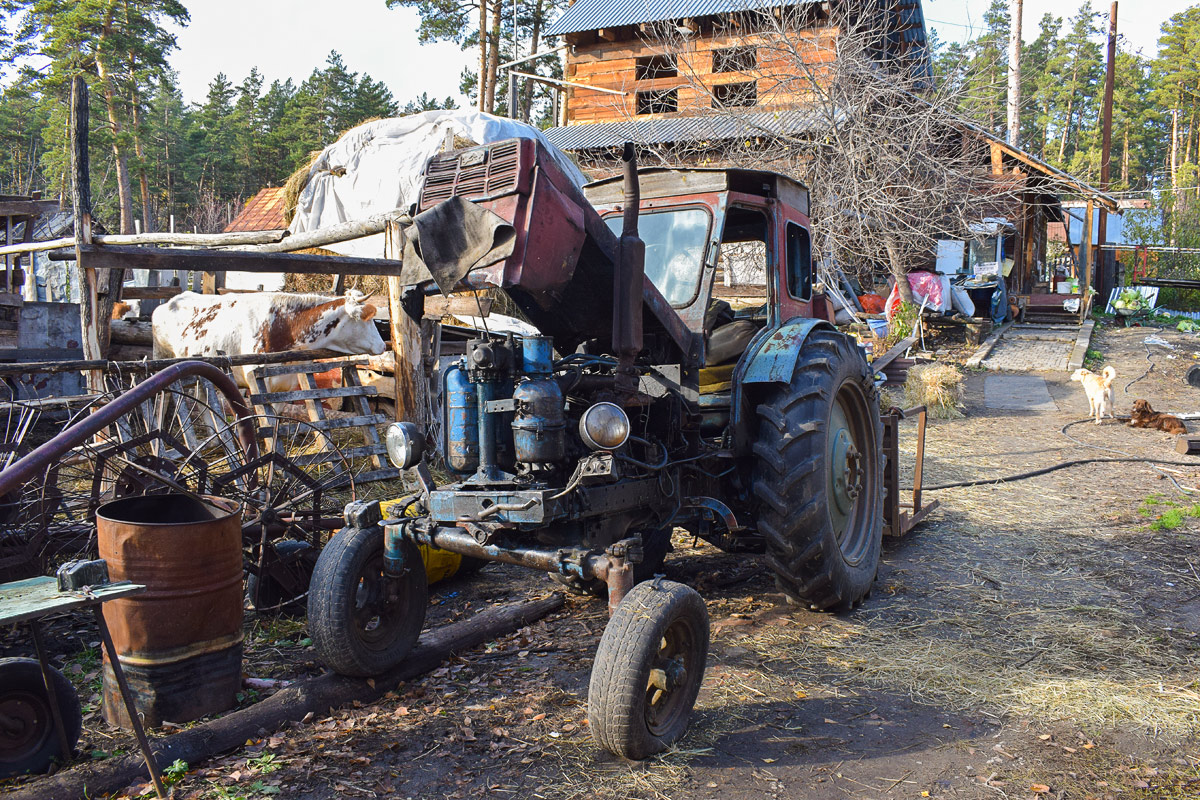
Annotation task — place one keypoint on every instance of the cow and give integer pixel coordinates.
(263, 322)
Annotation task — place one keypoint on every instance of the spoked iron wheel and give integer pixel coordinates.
(292, 493)
(648, 669)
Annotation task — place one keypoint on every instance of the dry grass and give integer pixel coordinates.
(938, 387)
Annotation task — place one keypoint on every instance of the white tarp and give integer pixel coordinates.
(377, 167)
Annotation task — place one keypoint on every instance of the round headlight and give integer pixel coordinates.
(604, 426)
(405, 444)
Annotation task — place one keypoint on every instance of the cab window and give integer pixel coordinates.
(675, 242)
(799, 262)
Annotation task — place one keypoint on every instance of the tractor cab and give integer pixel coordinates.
(728, 249)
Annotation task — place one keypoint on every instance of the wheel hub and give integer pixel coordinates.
(22, 726)
(846, 469)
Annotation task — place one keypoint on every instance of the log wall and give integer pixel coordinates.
(783, 75)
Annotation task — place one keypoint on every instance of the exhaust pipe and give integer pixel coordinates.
(628, 280)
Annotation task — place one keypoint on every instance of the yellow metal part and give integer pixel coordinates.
(716, 379)
(439, 564)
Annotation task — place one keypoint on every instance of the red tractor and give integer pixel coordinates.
(685, 375)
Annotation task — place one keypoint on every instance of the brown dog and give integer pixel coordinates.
(1143, 416)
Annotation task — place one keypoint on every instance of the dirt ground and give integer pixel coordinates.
(1039, 638)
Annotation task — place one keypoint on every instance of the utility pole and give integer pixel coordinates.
(1105, 281)
(1014, 73)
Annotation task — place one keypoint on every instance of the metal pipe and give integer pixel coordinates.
(487, 430)
(36, 463)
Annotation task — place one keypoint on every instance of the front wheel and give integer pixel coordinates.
(648, 669)
(363, 621)
(818, 475)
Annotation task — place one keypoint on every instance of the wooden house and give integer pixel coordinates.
(687, 76)
(658, 58)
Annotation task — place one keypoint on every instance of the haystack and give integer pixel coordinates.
(938, 387)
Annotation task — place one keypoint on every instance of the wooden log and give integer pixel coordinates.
(1188, 445)
(81, 200)
(315, 695)
(226, 260)
(50, 367)
(135, 332)
(342, 232)
(131, 352)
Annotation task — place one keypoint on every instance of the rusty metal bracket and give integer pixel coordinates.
(899, 518)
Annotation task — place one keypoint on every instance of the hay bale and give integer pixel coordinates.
(938, 387)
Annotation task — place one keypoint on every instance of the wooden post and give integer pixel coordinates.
(81, 193)
(406, 339)
(212, 282)
(1085, 266)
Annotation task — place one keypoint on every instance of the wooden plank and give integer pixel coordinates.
(150, 292)
(310, 366)
(51, 367)
(229, 261)
(387, 473)
(370, 434)
(329, 456)
(333, 424)
(456, 304)
(893, 354)
(35, 598)
(312, 394)
(21, 208)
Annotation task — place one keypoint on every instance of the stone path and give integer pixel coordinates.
(1037, 348)
(1017, 393)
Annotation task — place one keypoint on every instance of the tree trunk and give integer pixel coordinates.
(1125, 158)
(493, 57)
(124, 189)
(535, 37)
(1014, 76)
(1062, 144)
(483, 55)
(899, 270)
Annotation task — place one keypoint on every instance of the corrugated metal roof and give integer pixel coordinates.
(592, 15)
(263, 212)
(666, 130)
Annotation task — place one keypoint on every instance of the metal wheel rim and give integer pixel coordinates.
(678, 647)
(378, 606)
(852, 473)
(33, 713)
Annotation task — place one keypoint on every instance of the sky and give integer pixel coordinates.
(289, 38)
(1138, 21)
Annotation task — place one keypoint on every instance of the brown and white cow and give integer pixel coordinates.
(263, 322)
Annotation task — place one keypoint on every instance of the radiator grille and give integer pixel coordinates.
(495, 174)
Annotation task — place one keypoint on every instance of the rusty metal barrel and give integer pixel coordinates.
(180, 642)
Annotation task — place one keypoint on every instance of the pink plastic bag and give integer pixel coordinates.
(926, 287)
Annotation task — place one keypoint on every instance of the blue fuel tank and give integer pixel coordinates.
(460, 421)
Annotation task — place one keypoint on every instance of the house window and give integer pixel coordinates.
(659, 102)
(650, 67)
(735, 59)
(733, 95)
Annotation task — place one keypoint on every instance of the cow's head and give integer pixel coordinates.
(345, 327)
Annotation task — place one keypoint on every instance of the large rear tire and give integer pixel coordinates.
(818, 476)
(364, 622)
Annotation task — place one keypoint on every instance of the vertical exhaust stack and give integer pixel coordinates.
(628, 280)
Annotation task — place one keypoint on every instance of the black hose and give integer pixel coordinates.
(1020, 476)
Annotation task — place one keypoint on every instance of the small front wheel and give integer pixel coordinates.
(363, 621)
(648, 669)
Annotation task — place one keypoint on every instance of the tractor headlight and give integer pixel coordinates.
(604, 426)
(405, 444)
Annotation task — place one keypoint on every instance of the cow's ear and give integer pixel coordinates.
(368, 312)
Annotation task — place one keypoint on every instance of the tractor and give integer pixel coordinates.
(659, 393)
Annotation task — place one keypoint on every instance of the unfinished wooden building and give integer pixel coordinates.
(661, 58)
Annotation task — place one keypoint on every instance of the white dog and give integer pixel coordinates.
(1099, 391)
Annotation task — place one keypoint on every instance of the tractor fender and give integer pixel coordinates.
(769, 358)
